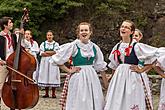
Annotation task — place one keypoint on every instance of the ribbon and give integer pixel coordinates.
(9, 40)
(31, 41)
(128, 50)
(116, 54)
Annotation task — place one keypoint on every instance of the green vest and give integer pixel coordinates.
(47, 49)
(79, 60)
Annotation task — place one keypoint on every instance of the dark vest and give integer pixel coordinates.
(3, 45)
(131, 59)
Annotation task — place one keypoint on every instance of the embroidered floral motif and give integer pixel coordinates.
(135, 107)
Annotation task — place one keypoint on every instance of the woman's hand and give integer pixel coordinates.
(70, 70)
(44, 54)
(27, 49)
(74, 70)
(135, 68)
(50, 52)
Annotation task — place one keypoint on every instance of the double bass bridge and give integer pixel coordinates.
(16, 81)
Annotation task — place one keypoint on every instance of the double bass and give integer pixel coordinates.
(20, 91)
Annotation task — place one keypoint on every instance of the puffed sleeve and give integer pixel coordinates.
(99, 63)
(56, 47)
(161, 51)
(146, 53)
(35, 48)
(113, 60)
(161, 58)
(42, 48)
(63, 54)
(161, 62)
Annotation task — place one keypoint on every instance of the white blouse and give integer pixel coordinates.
(144, 52)
(70, 49)
(50, 45)
(161, 62)
(33, 48)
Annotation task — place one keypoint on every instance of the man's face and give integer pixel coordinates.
(9, 25)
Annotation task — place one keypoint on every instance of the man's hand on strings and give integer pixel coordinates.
(2, 62)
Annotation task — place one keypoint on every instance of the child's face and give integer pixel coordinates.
(84, 33)
(28, 35)
(137, 36)
(49, 36)
(125, 29)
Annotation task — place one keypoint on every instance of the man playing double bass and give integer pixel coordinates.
(8, 44)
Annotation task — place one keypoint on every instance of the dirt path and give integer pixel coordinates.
(53, 104)
(44, 103)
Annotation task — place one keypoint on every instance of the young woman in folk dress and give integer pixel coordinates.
(33, 49)
(84, 89)
(126, 89)
(49, 74)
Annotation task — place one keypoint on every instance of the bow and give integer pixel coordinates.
(128, 50)
(116, 54)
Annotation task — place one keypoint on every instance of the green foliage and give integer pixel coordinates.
(157, 41)
(152, 72)
(40, 10)
(141, 20)
(119, 5)
(114, 8)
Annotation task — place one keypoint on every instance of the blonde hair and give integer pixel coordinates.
(29, 32)
(16, 29)
(139, 32)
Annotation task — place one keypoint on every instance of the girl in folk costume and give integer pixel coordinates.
(49, 74)
(126, 89)
(140, 68)
(160, 69)
(33, 45)
(84, 89)
(33, 49)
